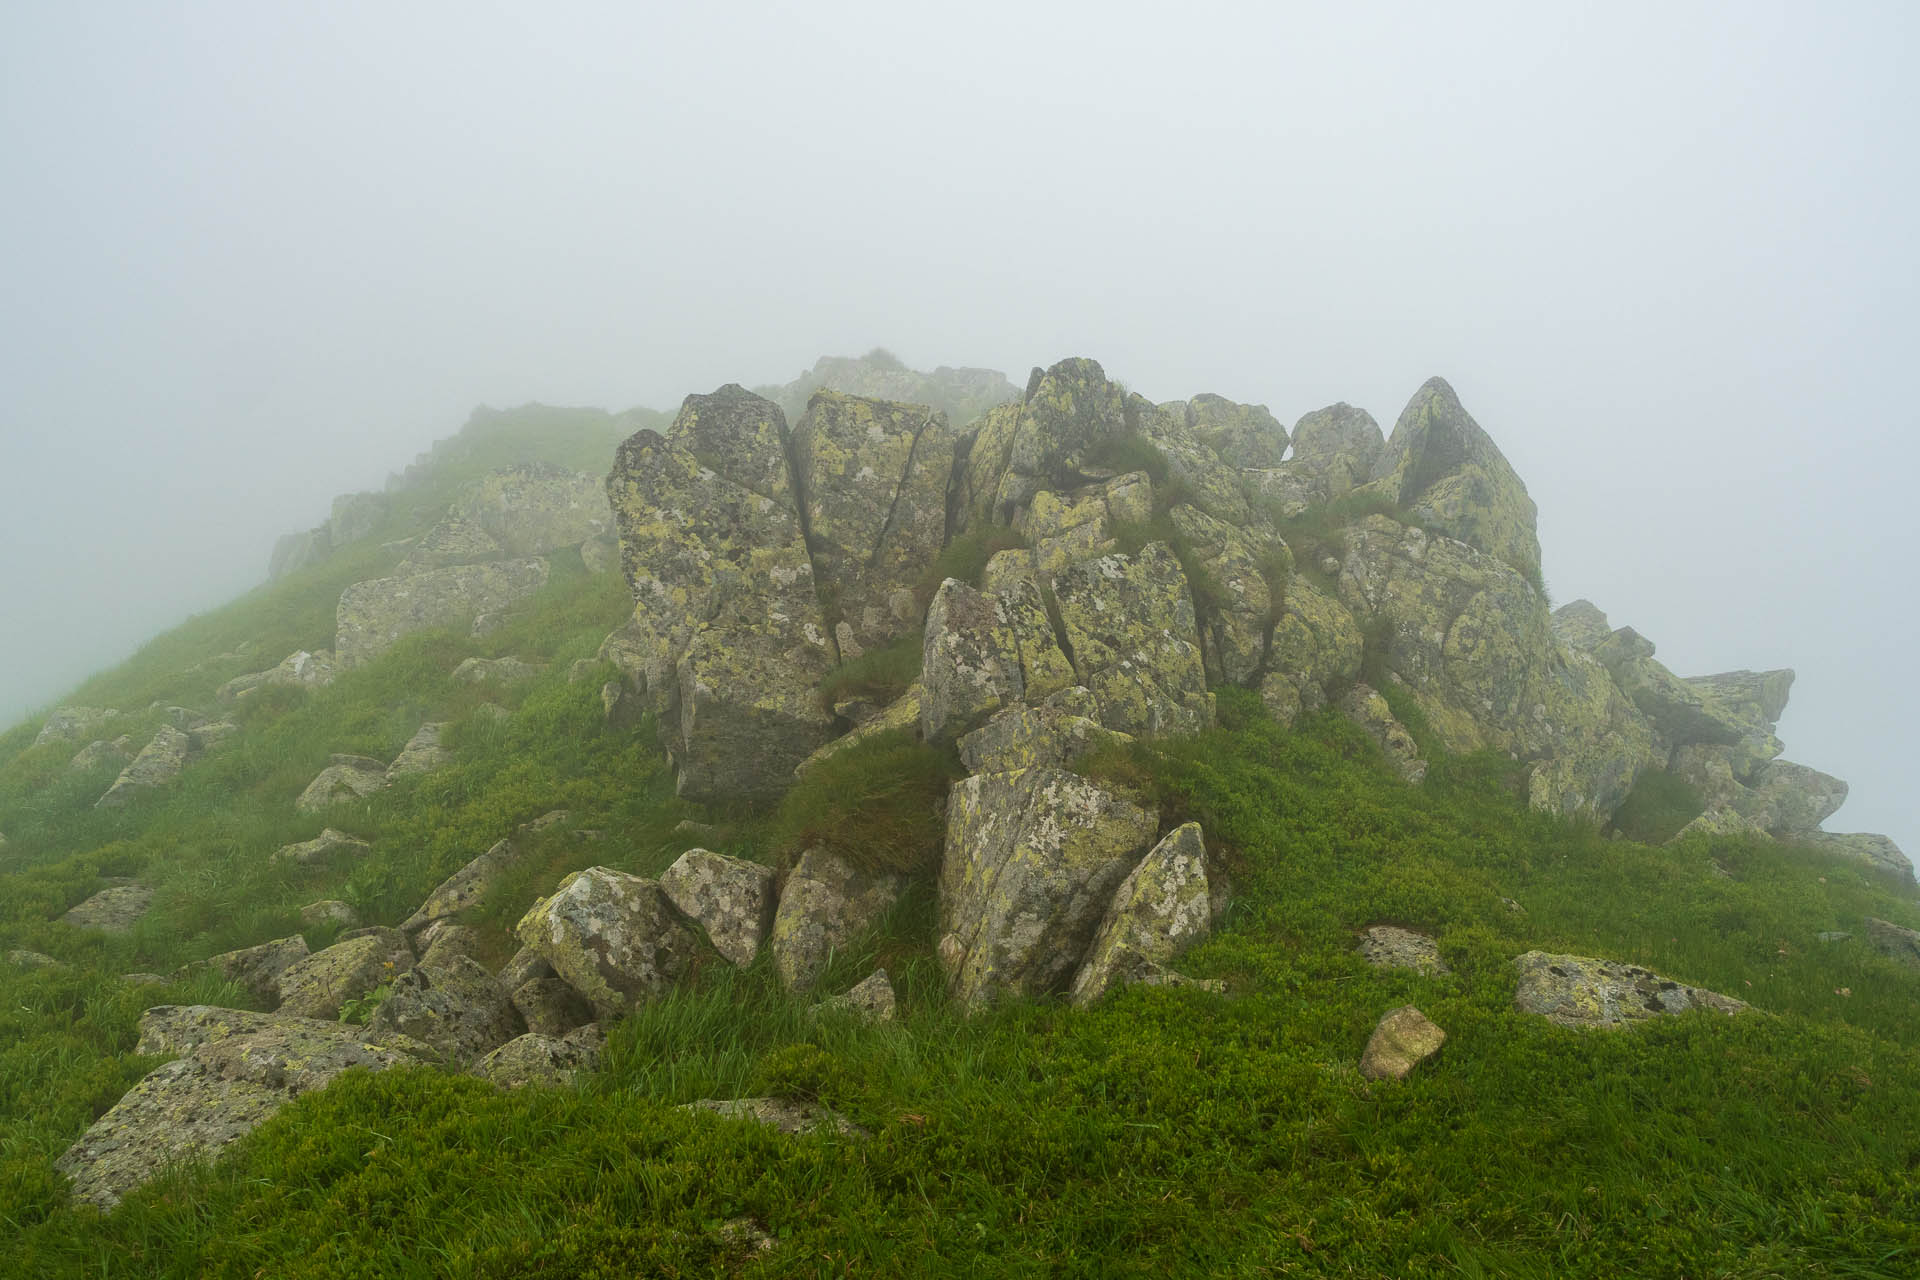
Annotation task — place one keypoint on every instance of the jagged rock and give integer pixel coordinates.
(158, 763)
(1240, 614)
(827, 903)
(1081, 524)
(456, 1007)
(544, 1061)
(1070, 416)
(1365, 706)
(1021, 737)
(328, 847)
(469, 884)
(1131, 631)
(1403, 1040)
(1316, 647)
(525, 966)
(1790, 799)
(874, 475)
(329, 911)
(1442, 467)
(496, 670)
(454, 539)
(600, 555)
(1894, 942)
(21, 958)
(984, 651)
(255, 969)
(1032, 860)
(550, 1007)
(299, 670)
(374, 615)
(1243, 435)
(101, 754)
(440, 942)
(346, 778)
(902, 715)
(731, 898)
(534, 507)
(871, 999)
(1160, 909)
(222, 1090)
(1759, 698)
(1681, 712)
(1580, 991)
(612, 936)
(1877, 851)
(1471, 642)
(1387, 946)
(727, 635)
(296, 551)
(1580, 625)
(317, 986)
(355, 516)
(115, 909)
(1210, 484)
(785, 1114)
(423, 752)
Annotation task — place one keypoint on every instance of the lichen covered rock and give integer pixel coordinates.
(1580, 991)
(115, 909)
(613, 937)
(423, 752)
(455, 1006)
(534, 507)
(255, 969)
(731, 898)
(318, 985)
(298, 670)
(1403, 1039)
(542, 1061)
(469, 884)
(1131, 630)
(1161, 908)
(328, 847)
(1022, 737)
(1366, 707)
(372, 616)
(826, 905)
(1387, 946)
(73, 724)
(158, 763)
(346, 779)
(984, 651)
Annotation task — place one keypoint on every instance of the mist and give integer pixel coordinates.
(259, 255)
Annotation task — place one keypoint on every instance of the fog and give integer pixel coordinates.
(256, 255)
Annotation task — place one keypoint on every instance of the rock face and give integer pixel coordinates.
(223, 1089)
(455, 1006)
(731, 898)
(984, 651)
(1581, 626)
(1130, 626)
(531, 508)
(317, 986)
(1245, 434)
(115, 909)
(346, 779)
(158, 763)
(374, 615)
(1032, 860)
(613, 937)
(1579, 991)
(1403, 1040)
(826, 905)
(1022, 737)
(1161, 908)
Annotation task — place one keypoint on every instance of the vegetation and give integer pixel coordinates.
(879, 675)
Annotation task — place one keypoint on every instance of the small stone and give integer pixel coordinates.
(1403, 1040)
(871, 1000)
(1387, 946)
(496, 671)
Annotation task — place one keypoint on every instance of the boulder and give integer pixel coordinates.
(372, 616)
(456, 1007)
(1387, 946)
(1068, 422)
(826, 905)
(256, 969)
(1083, 523)
(1680, 712)
(1720, 820)
(1789, 799)
(469, 884)
(731, 898)
(442, 941)
(874, 477)
(454, 539)
(613, 937)
(74, 724)
(115, 909)
(223, 1089)
(1440, 466)
(496, 671)
(355, 516)
(525, 966)
(534, 507)
(550, 1007)
(1021, 737)
(1031, 863)
(101, 754)
(330, 846)
(21, 958)
(1161, 908)
(1315, 648)
(212, 734)
(1336, 449)
(298, 670)
(544, 1061)
(984, 651)
(1243, 435)
(1208, 482)
(1403, 1040)
(423, 752)
(788, 1115)
(347, 778)
(1877, 851)
(1131, 629)
(158, 763)
(870, 1000)
(1580, 991)
(317, 986)
(1896, 943)
(1759, 698)
(1365, 706)
(1580, 625)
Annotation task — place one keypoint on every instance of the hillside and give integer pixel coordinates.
(1079, 837)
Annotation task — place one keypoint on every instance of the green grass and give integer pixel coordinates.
(1657, 807)
(879, 675)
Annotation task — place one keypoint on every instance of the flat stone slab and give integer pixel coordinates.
(112, 910)
(1581, 991)
(783, 1114)
(1387, 946)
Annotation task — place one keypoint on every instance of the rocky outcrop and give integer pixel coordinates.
(1032, 861)
(372, 616)
(531, 508)
(1788, 799)
(826, 905)
(614, 938)
(346, 778)
(1057, 732)
(1581, 626)
(1403, 1039)
(355, 516)
(1160, 909)
(224, 1088)
(1580, 991)
(961, 394)
(1877, 851)
(1246, 435)
(158, 763)
(985, 650)
(453, 540)
(1083, 523)
(296, 551)
(731, 898)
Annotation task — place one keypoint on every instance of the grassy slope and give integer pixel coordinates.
(1163, 1132)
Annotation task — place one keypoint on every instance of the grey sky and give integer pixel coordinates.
(255, 255)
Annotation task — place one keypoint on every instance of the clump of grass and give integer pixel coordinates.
(880, 804)
(965, 558)
(880, 674)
